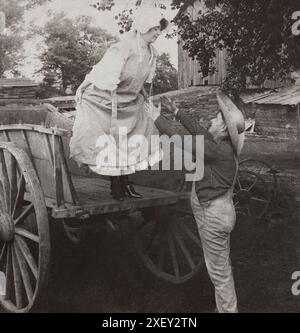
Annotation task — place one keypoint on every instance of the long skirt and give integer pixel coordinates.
(114, 147)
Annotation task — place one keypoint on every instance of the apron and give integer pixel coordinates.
(112, 132)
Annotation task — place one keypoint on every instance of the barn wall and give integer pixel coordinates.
(189, 71)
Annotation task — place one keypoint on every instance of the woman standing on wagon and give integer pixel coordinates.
(112, 97)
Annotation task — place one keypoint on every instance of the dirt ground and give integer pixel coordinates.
(104, 275)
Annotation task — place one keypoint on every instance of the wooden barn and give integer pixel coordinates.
(189, 70)
(276, 113)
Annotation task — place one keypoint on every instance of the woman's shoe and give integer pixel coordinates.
(129, 189)
(117, 190)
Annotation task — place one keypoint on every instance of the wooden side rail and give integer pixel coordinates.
(46, 151)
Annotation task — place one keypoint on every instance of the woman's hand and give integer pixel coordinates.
(169, 104)
(152, 111)
(78, 96)
(144, 93)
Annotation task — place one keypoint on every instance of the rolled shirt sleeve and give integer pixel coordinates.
(106, 74)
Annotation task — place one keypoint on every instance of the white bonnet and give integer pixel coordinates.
(147, 16)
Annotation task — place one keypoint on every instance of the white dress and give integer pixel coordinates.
(97, 140)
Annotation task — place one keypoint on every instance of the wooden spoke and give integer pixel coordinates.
(173, 254)
(4, 178)
(162, 254)
(2, 253)
(189, 233)
(161, 259)
(253, 185)
(17, 280)
(27, 234)
(19, 197)
(24, 273)
(13, 183)
(259, 199)
(3, 202)
(248, 201)
(239, 183)
(26, 212)
(8, 275)
(184, 249)
(27, 255)
(152, 237)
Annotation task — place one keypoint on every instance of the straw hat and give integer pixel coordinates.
(147, 16)
(234, 120)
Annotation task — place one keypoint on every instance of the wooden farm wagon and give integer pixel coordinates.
(39, 186)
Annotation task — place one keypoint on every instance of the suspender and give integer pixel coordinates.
(236, 172)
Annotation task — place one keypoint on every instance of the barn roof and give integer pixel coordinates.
(23, 82)
(285, 96)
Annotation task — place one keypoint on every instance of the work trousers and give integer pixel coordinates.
(215, 220)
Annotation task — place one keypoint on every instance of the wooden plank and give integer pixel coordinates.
(298, 122)
(67, 176)
(94, 196)
(36, 128)
(49, 149)
(58, 178)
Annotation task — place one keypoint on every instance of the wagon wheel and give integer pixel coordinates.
(252, 196)
(168, 244)
(24, 232)
(261, 168)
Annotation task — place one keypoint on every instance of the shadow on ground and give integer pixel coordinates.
(104, 275)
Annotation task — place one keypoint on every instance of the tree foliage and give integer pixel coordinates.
(166, 75)
(11, 41)
(256, 34)
(72, 47)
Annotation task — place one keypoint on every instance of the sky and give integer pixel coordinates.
(105, 20)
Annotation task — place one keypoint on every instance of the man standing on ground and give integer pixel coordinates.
(212, 197)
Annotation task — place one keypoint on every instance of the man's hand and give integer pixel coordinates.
(144, 93)
(152, 111)
(169, 104)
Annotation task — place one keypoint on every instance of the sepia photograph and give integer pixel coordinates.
(149, 158)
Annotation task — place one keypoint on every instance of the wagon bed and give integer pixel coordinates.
(39, 184)
(94, 198)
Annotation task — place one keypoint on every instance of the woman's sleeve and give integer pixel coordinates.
(106, 74)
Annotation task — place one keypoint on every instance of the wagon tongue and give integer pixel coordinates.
(6, 228)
